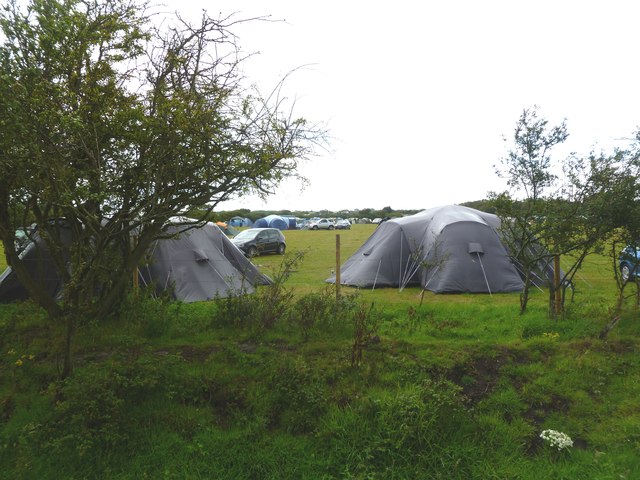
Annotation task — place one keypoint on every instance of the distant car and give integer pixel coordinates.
(303, 224)
(257, 241)
(322, 224)
(629, 260)
(376, 220)
(343, 225)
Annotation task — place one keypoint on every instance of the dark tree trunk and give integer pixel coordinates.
(67, 366)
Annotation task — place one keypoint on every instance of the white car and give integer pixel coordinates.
(322, 224)
(343, 224)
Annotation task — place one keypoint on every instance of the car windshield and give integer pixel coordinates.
(247, 235)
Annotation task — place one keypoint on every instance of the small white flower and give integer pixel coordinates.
(557, 439)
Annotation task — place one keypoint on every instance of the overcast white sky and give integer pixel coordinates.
(417, 95)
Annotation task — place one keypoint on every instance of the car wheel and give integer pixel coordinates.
(330, 227)
(252, 252)
(315, 227)
(625, 272)
(281, 248)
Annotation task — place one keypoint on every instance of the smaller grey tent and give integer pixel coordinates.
(190, 265)
(199, 264)
(445, 249)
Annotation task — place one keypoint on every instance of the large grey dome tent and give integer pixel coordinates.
(444, 249)
(193, 265)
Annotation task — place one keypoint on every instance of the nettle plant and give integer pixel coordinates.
(557, 439)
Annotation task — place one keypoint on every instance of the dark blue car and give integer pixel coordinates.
(629, 259)
(256, 241)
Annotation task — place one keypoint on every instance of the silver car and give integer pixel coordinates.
(322, 224)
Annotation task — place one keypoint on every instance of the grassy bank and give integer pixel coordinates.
(458, 387)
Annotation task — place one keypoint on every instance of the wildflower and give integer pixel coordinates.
(11, 352)
(19, 362)
(557, 439)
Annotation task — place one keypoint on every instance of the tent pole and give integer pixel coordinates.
(431, 278)
(521, 273)
(483, 272)
(375, 280)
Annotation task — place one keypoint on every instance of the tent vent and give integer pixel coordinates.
(200, 255)
(475, 248)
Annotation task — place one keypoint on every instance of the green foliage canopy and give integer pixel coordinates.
(570, 206)
(115, 125)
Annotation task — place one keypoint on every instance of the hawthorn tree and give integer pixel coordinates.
(569, 207)
(624, 212)
(597, 196)
(112, 125)
(528, 170)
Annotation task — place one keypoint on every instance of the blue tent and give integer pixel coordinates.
(292, 222)
(240, 222)
(272, 221)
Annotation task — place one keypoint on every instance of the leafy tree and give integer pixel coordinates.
(112, 126)
(527, 168)
(599, 193)
(623, 211)
(573, 215)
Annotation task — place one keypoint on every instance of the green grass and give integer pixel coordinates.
(459, 387)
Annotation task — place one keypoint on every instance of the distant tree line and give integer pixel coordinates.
(371, 213)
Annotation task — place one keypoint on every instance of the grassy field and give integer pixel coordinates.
(460, 387)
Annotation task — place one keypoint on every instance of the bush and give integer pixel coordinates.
(153, 315)
(299, 396)
(261, 310)
(417, 431)
(322, 312)
(92, 406)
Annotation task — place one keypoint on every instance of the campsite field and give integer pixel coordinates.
(292, 385)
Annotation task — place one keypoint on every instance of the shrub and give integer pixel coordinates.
(299, 395)
(413, 432)
(91, 409)
(149, 313)
(322, 312)
(261, 310)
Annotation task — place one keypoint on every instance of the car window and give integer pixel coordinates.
(246, 235)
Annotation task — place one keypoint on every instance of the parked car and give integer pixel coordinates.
(322, 224)
(629, 259)
(343, 225)
(303, 224)
(257, 241)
